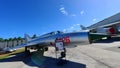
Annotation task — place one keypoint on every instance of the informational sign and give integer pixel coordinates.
(59, 45)
(65, 40)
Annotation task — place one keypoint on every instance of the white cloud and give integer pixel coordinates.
(73, 15)
(71, 27)
(63, 11)
(82, 12)
(74, 27)
(77, 24)
(64, 30)
(44, 33)
(94, 19)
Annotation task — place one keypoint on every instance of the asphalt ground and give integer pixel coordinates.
(100, 54)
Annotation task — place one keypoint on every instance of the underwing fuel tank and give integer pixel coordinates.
(97, 36)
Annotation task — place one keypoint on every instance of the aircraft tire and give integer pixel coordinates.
(46, 48)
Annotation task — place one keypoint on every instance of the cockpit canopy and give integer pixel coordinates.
(55, 32)
(52, 33)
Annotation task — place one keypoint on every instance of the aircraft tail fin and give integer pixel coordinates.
(83, 27)
(27, 38)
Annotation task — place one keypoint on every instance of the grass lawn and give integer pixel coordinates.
(8, 54)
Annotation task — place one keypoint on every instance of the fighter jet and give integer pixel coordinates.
(110, 25)
(69, 39)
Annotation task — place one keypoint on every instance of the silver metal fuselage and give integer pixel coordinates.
(75, 38)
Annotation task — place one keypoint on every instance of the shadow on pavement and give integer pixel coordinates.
(48, 63)
(52, 63)
(110, 40)
(19, 57)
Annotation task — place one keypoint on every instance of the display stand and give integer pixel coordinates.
(60, 52)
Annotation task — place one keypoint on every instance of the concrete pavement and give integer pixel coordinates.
(96, 55)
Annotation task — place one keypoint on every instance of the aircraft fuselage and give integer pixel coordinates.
(68, 38)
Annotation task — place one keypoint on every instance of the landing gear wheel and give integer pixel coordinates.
(27, 53)
(46, 48)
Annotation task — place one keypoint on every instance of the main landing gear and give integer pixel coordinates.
(27, 52)
(62, 58)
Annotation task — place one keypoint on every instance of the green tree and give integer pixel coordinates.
(10, 39)
(14, 39)
(6, 40)
(1, 39)
(19, 39)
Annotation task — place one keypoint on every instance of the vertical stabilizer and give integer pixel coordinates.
(27, 38)
(83, 27)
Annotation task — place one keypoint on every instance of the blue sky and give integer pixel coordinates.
(18, 17)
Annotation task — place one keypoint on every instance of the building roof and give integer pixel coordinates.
(110, 20)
